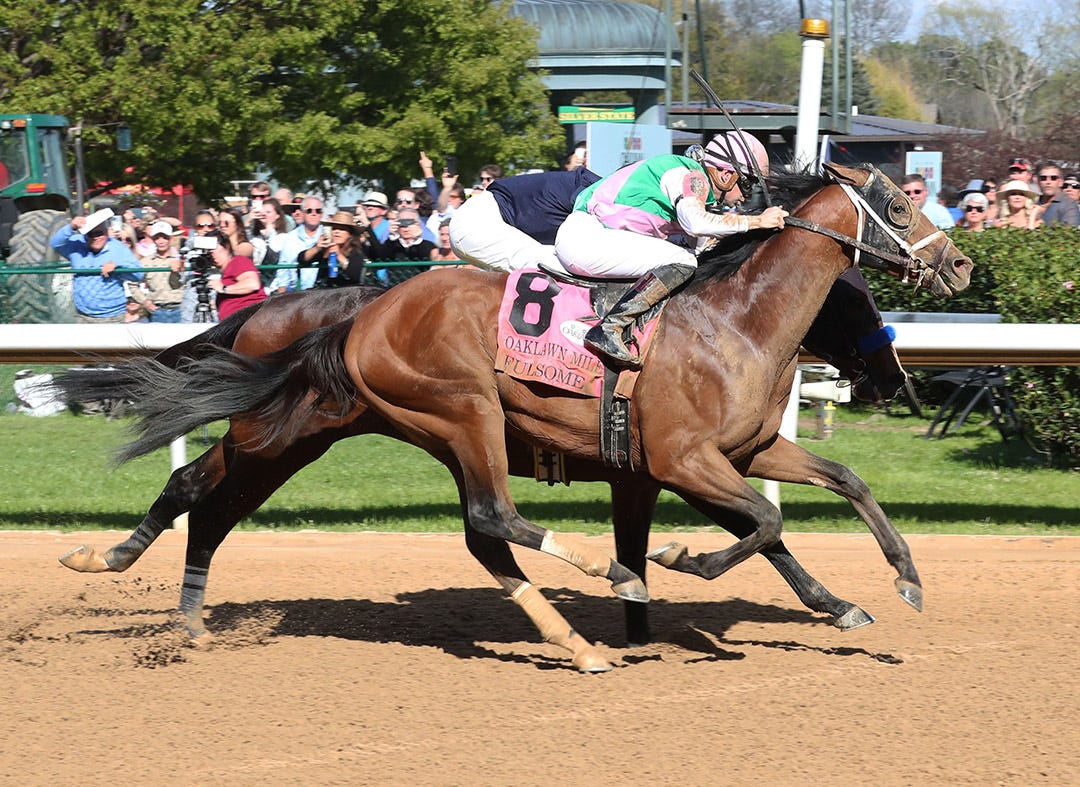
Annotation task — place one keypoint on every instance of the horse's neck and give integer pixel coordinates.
(777, 293)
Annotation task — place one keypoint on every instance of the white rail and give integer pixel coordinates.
(918, 343)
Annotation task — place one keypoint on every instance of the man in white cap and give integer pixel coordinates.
(99, 292)
(621, 225)
(375, 207)
(164, 289)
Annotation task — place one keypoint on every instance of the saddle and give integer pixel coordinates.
(615, 384)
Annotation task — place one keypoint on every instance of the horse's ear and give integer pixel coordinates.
(849, 175)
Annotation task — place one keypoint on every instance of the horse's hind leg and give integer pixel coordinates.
(496, 557)
(813, 594)
(251, 478)
(186, 486)
(785, 461)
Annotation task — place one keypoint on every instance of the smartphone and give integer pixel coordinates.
(256, 204)
(451, 164)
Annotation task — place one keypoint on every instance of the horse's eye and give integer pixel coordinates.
(899, 212)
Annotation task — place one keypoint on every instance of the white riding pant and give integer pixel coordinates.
(479, 234)
(588, 248)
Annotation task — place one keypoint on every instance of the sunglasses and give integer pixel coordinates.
(976, 208)
(259, 196)
(407, 222)
(1072, 185)
(1049, 177)
(404, 201)
(204, 225)
(486, 178)
(1020, 161)
(1017, 169)
(913, 192)
(312, 210)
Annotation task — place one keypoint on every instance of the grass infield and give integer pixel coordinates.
(57, 473)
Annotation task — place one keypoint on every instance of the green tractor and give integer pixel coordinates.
(35, 202)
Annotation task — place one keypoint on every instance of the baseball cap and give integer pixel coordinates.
(161, 228)
(1022, 163)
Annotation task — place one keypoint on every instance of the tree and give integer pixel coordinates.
(893, 91)
(214, 88)
(875, 22)
(991, 58)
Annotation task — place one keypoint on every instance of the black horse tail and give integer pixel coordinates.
(273, 393)
(124, 381)
(222, 334)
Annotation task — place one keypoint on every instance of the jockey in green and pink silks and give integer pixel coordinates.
(621, 226)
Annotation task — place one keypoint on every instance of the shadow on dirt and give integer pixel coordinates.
(466, 623)
(459, 620)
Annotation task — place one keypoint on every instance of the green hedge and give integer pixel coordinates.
(1026, 277)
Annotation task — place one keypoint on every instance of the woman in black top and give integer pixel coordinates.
(342, 264)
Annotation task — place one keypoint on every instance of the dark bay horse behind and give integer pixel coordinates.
(709, 401)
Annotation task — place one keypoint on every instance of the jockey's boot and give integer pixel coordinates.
(606, 338)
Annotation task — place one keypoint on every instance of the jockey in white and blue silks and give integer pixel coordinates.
(621, 225)
(513, 222)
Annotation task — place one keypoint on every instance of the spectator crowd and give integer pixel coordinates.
(1030, 197)
(279, 242)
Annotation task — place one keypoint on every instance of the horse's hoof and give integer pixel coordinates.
(910, 592)
(631, 590)
(853, 619)
(85, 559)
(669, 554)
(591, 661)
(193, 627)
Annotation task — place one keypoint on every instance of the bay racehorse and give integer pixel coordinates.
(847, 332)
(708, 403)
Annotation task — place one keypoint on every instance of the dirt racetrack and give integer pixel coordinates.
(390, 659)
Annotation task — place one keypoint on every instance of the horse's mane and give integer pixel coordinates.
(787, 189)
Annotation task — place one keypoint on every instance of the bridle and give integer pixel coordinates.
(907, 262)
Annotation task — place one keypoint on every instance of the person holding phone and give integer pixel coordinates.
(404, 243)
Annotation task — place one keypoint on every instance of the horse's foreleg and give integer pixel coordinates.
(496, 557)
(706, 474)
(812, 593)
(633, 502)
(785, 461)
(186, 486)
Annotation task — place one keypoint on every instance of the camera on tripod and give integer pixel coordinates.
(198, 254)
(199, 261)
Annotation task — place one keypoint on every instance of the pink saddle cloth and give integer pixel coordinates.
(542, 326)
